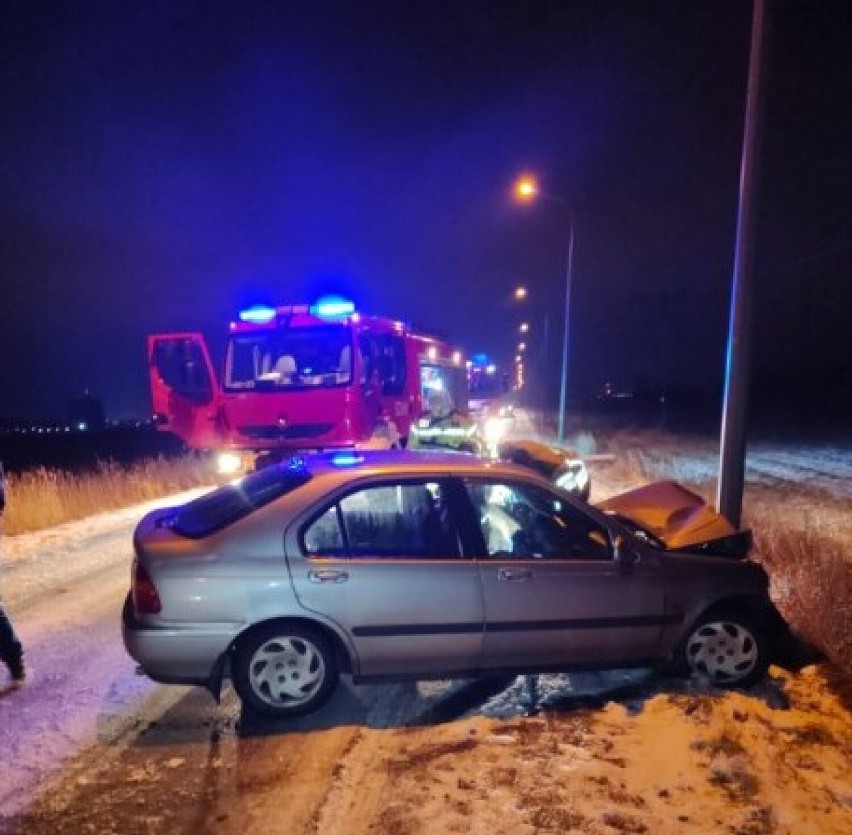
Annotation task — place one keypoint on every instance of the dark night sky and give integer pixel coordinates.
(164, 163)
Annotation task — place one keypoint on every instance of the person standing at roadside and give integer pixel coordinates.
(11, 650)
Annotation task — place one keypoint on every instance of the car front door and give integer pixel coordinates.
(554, 593)
(383, 561)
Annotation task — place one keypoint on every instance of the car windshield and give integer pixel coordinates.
(232, 502)
(316, 357)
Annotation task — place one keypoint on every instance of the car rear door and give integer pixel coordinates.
(184, 389)
(383, 562)
(554, 595)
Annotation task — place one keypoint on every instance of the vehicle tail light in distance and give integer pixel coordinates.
(146, 601)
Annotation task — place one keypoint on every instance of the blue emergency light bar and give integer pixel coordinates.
(258, 314)
(333, 307)
(346, 459)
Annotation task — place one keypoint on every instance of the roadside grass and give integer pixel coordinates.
(803, 537)
(42, 498)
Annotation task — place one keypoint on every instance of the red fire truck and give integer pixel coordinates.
(300, 377)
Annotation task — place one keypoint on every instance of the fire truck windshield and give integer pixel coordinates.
(299, 357)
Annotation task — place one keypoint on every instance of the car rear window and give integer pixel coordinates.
(232, 502)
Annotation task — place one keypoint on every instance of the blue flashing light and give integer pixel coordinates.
(258, 314)
(333, 307)
(346, 459)
(480, 359)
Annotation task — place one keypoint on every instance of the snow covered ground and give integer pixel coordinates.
(826, 469)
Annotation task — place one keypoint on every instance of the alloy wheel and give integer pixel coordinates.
(286, 671)
(725, 651)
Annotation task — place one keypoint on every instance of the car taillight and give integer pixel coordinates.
(146, 601)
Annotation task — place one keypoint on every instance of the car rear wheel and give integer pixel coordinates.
(729, 648)
(284, 670)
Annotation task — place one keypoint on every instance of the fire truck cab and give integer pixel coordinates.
(300, 377)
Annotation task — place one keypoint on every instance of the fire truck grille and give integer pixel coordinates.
(272, 432)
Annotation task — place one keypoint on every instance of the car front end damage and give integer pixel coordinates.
(678, 520)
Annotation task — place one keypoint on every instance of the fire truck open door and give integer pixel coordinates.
(184, 388)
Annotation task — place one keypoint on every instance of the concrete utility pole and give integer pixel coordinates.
(737, 370)
(563, 380)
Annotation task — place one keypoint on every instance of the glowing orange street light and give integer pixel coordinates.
(526, 187)
(520, 293)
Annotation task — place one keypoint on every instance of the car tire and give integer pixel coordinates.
(284, 670)
(729, 647)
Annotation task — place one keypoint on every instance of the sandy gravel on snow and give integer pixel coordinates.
(720, 763)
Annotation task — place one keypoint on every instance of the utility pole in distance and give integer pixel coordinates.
(737, 369)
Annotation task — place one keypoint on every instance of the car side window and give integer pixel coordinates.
(403, 520)
(521, 521)
(323, 537)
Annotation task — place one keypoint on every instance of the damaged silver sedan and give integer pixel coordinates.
(399, 564)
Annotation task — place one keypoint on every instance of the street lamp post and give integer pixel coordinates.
(563, 384)
(526, 189)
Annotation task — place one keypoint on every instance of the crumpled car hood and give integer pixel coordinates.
(682, 520)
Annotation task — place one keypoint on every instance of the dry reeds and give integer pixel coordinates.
(807, 550)
(41, 498)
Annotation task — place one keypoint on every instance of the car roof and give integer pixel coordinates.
(404, 462)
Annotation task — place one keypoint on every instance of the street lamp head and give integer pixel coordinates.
(520, 293)
(522, 346)
(526, 188)
(524, 327)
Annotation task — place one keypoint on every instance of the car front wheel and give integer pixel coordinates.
(284, 670)
(729, 648)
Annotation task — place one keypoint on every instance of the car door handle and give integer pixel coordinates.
(328, 575)
(514, 575)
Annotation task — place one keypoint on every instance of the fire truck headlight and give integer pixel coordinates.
(494, 429)
(228, 463)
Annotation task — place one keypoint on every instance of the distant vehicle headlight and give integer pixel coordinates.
(229, 463)
(494, 429)
(575, 477)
